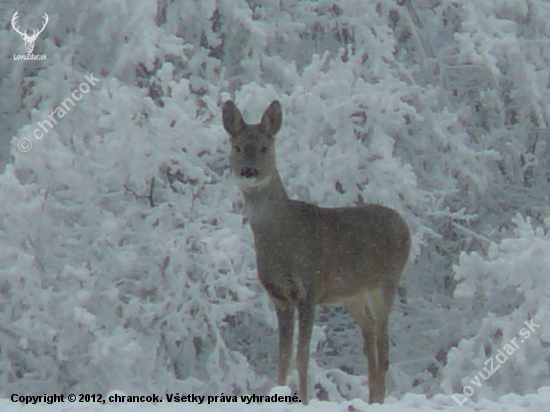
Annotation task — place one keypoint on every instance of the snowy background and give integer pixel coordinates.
(124, 261)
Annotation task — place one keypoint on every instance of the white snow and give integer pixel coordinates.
(124, 261)
(410, 402)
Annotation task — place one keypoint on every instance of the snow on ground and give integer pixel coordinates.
(124, 260)
(539, 402)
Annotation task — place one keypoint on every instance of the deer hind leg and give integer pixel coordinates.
(285, 320)
(380, 301)
(362, 314)
(382, 343)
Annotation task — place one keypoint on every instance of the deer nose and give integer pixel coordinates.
(249, 172)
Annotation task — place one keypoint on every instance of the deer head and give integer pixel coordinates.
(29, 40)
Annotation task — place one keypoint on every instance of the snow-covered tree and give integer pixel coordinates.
(125, 263)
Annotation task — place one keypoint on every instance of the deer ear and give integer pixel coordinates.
(272, 119)
(232, 118)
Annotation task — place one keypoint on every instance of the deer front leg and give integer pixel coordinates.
(285, 320)
(306, 315)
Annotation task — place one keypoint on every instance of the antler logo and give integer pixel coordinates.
(29, 40)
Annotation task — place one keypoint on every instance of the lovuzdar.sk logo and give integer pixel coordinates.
(29, 40)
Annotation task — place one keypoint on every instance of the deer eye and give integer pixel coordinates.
(263, 149)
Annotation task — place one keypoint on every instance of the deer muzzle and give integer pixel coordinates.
(249, 172)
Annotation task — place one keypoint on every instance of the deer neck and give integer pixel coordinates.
(268, 207)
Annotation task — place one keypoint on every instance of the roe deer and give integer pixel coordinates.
(307, 254)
